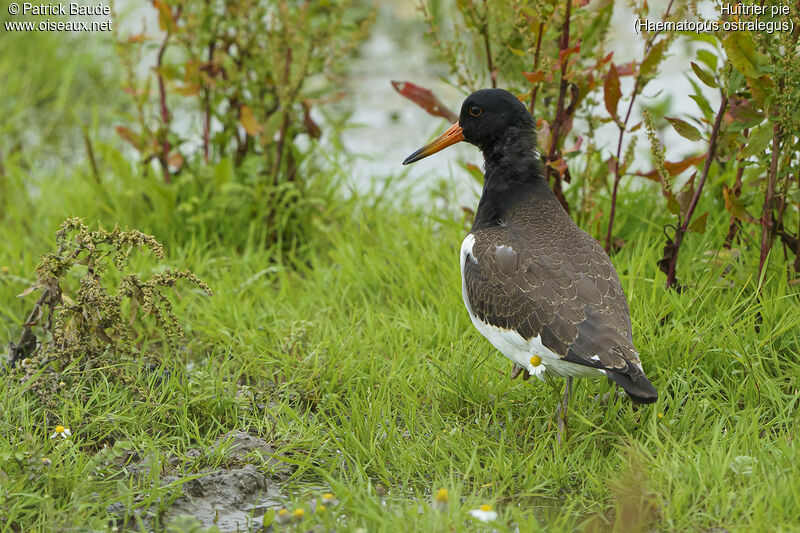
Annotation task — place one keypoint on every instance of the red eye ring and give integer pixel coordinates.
(475, 111)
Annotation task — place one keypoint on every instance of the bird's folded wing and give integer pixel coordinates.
(569, 296)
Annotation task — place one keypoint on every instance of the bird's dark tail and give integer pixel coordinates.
(637, 387)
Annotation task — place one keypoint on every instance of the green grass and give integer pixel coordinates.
(359, 364)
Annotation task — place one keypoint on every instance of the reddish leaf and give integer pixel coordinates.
(574, 148)
(175, 160)
(425, 99)
(560, 165)
(612, 164)
(311, 127)
(475, 172)
(534, 77)
(601, 63)
(674, 168)
(741, 109)
(563, 55)
(165, 20)
(129, 135)
(679, 166)
(611, 91)
(138, 38)
(626, 69)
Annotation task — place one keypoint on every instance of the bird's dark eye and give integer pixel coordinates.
(475, 111)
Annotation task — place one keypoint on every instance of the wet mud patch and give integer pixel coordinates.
(231, 499)
(233, 496)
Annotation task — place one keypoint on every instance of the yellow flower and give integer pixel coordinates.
(298, 514)
(321, 508)
(61, 430)
(328, 498)
(441, 499)
(282, 516)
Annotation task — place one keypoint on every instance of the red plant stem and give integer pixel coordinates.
(617, 176)
(485, 33)
(766, 212)
(734, 225)
(285, 122)
(683, 228)
(163, 157)
(782, 203)
(207, 112)
(535, 89)
(797, 243)
(555, 131)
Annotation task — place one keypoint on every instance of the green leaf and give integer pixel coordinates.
(708, 58)
(672, 204)
(698, 225)
(735, 81)
(655, 56)
(515, 51)
(757, 142)
(685, 129)
(735, 206)
(704, 76)
(741, 50)
(701, 101)
(223, 171)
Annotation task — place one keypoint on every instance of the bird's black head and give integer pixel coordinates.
(486, 120)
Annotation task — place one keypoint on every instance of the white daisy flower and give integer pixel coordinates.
(536, 367)
(62, 431)
(484, 513)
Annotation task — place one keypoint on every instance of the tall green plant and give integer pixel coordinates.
(553, 56)
(232, 87)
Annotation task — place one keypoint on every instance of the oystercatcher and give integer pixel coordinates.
(539, 288)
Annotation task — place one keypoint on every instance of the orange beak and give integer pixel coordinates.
(453, 135)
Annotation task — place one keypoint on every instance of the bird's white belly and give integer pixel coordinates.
(515, 346)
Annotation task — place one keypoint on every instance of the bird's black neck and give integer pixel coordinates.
(513, 174)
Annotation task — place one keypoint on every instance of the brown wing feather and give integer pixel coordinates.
(558, 284)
